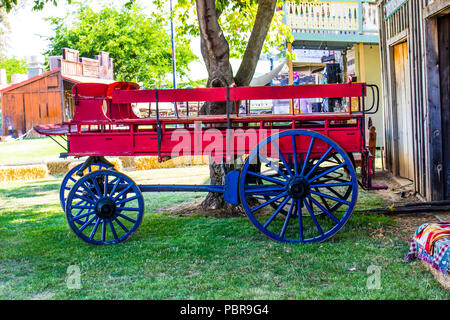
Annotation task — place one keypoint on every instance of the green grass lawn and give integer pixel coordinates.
(27, 151)
(196, 257)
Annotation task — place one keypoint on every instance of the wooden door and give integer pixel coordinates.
(403, 107)
(444, 75)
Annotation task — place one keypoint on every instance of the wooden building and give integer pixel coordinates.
(47, 98)
(414, 40)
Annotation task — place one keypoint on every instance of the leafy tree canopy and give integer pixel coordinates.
(237, 18)
(37, 4)
(13, 65)
(139, 43)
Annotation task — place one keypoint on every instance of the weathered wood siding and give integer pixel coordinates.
(414, 23)
(34, 103)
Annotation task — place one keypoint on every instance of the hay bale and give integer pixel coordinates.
(443, 279)
(58, 167)
(31, 172)
(118, 165)
(147, 163)
(127, 162)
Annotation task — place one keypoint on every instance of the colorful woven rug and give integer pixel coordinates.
(431, 243)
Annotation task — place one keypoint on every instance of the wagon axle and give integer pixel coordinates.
(105, 208)
(298, 187)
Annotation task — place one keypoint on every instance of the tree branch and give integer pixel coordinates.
(214, 46)
(264, 15)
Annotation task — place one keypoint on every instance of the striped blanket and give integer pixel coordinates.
(431, 243)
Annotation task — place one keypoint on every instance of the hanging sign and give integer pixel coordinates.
(392, 6)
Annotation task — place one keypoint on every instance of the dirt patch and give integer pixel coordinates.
(406, 224)
(194, 207)
(399, 190)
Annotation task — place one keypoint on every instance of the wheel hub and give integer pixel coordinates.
(298, 187)
(105, 208)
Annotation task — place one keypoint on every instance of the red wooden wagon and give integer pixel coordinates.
(298, 182)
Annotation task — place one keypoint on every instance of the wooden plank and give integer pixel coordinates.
(434, 110)
(90, 67)
(444, 75)
(437, 7)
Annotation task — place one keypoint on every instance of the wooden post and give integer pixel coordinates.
(291, 77)
(344, 62)
(362, 68)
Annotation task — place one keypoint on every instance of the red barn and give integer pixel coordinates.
(47, 98)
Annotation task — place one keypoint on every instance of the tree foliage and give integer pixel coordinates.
(139, 44)
(8, 5)
(4, 30)
(13, 65)
(236, 19)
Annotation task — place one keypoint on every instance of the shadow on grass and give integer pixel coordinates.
(28, 190)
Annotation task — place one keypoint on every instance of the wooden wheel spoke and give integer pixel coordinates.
(94, 230)
(125, 200)
(126, 217)
(121, 225)
(88, 189)
(294, 155)
(81, 216)
(115, 186)
(122, 192)
(262, 205)
(126, 209)
(319, 162)
(84, 199)
(82, 207)
(84, 226)
(330, 197)
(275, 168)
(308, 153)
(286, 221)
(326, 185)
(103, 230)
(325, 203)
(311, 213)
(97, 187)
(267, 178)
(105, 185)
(323, 209)
(113, 230)
(276, 212)
(275, 145)
(325, 172)
(300, 222)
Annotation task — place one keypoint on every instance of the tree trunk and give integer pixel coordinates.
(216, 54)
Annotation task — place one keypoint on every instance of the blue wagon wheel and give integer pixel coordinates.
(320, 180)
(334, 176)
(71, 178)
(109, 204)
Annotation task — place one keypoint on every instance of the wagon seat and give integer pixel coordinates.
(93, 102)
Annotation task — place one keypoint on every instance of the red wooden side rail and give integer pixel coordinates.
(240, 93)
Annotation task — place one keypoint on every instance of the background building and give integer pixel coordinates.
(415, 60)
(47, 98)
